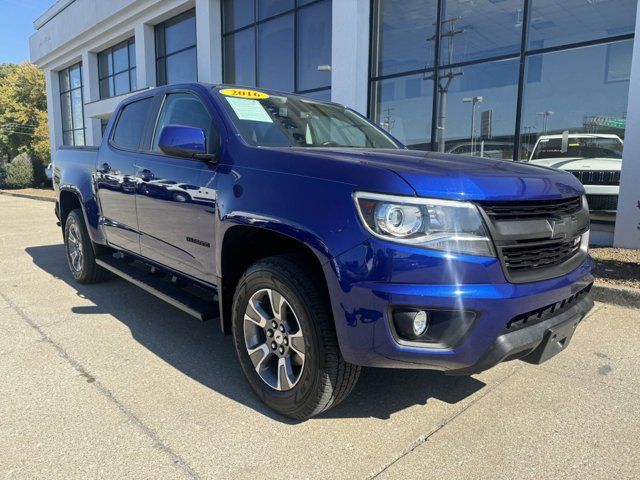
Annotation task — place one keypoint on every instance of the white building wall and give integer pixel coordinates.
(627, 230)
(95, 27)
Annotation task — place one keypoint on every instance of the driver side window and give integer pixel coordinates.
(186, 109)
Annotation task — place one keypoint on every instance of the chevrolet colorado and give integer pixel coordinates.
(321, 243)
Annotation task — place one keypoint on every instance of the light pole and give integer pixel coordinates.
(545, 116)
(448, 33)
(473, 101)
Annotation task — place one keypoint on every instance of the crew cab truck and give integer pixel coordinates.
(321, 243)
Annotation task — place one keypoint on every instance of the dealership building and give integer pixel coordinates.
(479, 77)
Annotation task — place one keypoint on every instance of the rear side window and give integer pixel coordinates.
(131, 123)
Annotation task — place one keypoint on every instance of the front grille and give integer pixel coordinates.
(539, 254)
(603, 202)
(516, 210)
(597, 177)
(541, 314)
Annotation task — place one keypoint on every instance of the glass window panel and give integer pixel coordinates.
(304, 2)
(402, 106)
(65, 105)
(78, 138)
(76, 108)
(182, 67)
(160, 43)
(183, 109)
(120, 58)
(104, 64)
(239, 58)
(314, 45)
(121, 83)
(556, 22)
(75, 77)
(180, 34)
(324, 95)
(131, 123)
(67, 138)
(404, 35)
(133, 79)
(132, 53)
(573, 94)
(268, 8)
(275, 54)
(480, 110)
(237, 14)
(474, 30)
(106, 88)
(64, 80)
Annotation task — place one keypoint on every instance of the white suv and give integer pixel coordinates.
(595, 159)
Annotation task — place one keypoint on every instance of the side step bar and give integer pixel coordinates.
(139, 274)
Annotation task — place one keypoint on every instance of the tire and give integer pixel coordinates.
(324, 379)
(76, 239)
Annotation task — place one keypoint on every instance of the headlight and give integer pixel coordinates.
(445, 225)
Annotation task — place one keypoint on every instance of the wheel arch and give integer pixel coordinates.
(244, 245)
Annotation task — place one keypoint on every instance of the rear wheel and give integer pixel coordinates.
(286, 340)
(80, 252)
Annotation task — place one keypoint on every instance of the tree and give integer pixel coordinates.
(23, 112)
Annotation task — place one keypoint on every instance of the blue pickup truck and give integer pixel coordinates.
(321, 243)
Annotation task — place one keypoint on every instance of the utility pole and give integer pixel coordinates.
(387, 122)
(449, 32)
(474, 101)
(545, 117)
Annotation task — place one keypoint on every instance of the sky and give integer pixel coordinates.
(16, 26)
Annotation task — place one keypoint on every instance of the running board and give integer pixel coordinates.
(140, 275)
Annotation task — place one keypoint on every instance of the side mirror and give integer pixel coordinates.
(183, 141)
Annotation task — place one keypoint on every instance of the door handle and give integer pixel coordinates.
(146, 175)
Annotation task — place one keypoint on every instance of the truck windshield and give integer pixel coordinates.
(579, 147)
(284, 121)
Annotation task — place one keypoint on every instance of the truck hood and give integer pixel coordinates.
(444, 175)
(573, 164)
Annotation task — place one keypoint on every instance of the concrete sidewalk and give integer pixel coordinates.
(106, 381)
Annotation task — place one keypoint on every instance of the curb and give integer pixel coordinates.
(27, 195)
(622, 296)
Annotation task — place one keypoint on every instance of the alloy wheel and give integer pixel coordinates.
(274, 339)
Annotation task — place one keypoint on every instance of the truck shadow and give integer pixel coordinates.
(202, 352)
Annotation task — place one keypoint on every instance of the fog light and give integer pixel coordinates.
(420, 323)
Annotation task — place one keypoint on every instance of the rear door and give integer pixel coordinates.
(176, 200)
(115, 178)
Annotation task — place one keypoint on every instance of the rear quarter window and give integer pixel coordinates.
(131, 123)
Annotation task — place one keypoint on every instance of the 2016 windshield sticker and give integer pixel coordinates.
(243, 93)
(249, 109)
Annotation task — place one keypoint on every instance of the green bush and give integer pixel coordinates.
(20, 172)
(3, 173)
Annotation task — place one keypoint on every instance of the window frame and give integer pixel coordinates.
(71, 89)
(145, 132)
(435, 72)
(161, 72)
(160, 102)
(299, 5)
(111, 77)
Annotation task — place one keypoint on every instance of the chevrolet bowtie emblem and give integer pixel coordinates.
(563, 227)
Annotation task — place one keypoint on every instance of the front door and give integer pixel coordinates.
(115, 178)
(176, 198)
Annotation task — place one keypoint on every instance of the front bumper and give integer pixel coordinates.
(367, 283)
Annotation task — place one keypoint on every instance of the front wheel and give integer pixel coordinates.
(80, 254)
(286, 341)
